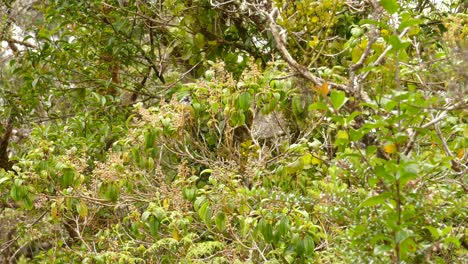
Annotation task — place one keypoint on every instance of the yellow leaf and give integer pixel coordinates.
(315, 161)
(54, 211)
(324, 89)
(390, 148)
(461, 153)
(175, 234)
(82, 209)
(342, 135)
(166, 203)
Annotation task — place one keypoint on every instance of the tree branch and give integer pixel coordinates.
(301, 69)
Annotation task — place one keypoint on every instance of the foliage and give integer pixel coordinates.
(233, 132)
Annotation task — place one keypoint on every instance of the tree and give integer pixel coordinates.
(253, 131)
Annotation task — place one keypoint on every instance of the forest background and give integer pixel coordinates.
(208, 131)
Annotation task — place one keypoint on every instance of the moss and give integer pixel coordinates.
(204, 249)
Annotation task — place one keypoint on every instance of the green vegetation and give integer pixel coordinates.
(203, 131)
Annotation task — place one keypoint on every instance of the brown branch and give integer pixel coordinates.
(301, 69)
(384, 53)
(456, 166)
(438, 118)
(5, 162)
(12, 41)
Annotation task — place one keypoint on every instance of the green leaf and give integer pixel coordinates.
(408, 245)
(150, 139)
(300, 247)
(355, 135)
(34, 83)
(220, 221)
(297, 105)
(153, 225)
(4, 179)
(338, 98)
(342, 138)
(189, 193)
(199, 202)
(283, 226)
(295, 166)
(112, 192)
(309, 245)
(205, 213)
(206, 171)
(452, 240)
(16, 192)
(266, 230)
(82, 209)
(199, 40)
(409, 23)
(373, 22)
(375, 200)
(390, 5)
(318, 106)
(109, 191)
(396, 43)
(243, 101)
(357, 31)
(410, 171)
(68, 176)
(434, 232)
(237, 118)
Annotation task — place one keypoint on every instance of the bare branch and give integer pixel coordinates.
(301, 69)
(438, 118)
(384, 53)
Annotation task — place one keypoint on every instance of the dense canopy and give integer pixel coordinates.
(227, 131)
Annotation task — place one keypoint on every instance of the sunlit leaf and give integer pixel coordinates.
(338, 98)
(390, 148)
(390, 5)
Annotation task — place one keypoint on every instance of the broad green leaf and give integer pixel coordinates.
(266, 230)
(206, 171)
(283, 226)
(243, 101)
(407, 246)
(220, 221)
(355, 135)
(205, 213)
(452, 240)
(318, 106)
(199, 202)
(112, 192)
(237, 118)
(199, 40)
(189, 193)
(153, 225)
(338, 98)
(82, 209)
(390, 5)
(375, 200)
(409, 22)
(342, 138)
(297, 105)
(68, 177)
(150, 139)
(357, 31)
(295, 166)
(300, 247)
(434, 231)
(4, 179)
(309, 245)
(396, 43)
